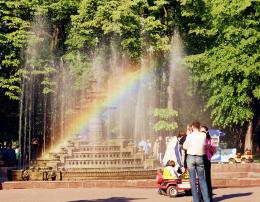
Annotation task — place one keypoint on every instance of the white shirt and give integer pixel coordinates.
(195, 143)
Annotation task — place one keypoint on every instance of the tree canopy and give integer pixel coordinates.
(221, 40)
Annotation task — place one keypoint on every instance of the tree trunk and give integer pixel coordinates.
(54, 37)
(249, 137)
(170, 97)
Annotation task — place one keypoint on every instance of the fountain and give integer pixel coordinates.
(87, 121)
(89, 155)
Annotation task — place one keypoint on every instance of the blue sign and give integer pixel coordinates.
(216, 157)
(226, 154)
(216, 133)
(223, 155)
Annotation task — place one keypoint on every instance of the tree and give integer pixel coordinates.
(14, 20)
(59, 13)
(165, 121)
(136, 26)
(227, 69)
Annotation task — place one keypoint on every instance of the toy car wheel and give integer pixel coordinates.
(161, 192)
(172, 191)
(232, 161)
(188, 192)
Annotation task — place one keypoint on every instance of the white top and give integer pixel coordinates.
(195, 143)
(170, 152)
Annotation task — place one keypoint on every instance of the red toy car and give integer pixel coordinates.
(172, 187)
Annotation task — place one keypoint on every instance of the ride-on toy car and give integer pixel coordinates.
(172, 187)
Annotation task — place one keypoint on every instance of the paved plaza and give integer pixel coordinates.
(251, 194)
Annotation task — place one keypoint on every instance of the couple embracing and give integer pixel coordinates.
(199, 152)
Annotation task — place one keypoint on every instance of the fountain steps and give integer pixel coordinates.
(223, 175)
(232, 175)
(219, 171)
(238, 167)
(79, 175)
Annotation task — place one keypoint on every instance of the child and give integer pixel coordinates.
(170, 171)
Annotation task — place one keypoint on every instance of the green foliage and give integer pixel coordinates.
(165, 113)
(130, 23)
(85, 29)
(154, 40)
(61, 10)
(221, 38)
(10, 86)
(128, 18)
(229, 68)
(165, 126)
(80, 70)
(14, 21)
(165, 118)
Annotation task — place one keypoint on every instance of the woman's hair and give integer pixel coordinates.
(181, 134)
(172, 163)
(207, 132)
(206, 128)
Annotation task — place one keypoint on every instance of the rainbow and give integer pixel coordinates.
(125, 86)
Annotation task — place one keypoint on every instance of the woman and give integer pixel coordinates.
(182, 137)
(210, 151)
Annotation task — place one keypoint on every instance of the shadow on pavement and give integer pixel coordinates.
(112, 199)
(229, 196)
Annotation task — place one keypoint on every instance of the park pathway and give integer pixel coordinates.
(251, 194)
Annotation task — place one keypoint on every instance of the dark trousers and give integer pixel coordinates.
(207, 165)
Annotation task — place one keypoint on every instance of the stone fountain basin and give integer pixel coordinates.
(81, 175)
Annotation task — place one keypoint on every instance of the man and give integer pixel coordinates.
(195, 146)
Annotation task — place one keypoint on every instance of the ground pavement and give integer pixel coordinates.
(251, 194)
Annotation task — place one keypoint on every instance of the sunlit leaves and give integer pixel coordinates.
(80, 70)
(256, 92)
(165, 126)
(229, 69)
(10, 87)
(14, 22)
(165, 118)
(165, 113)
(129, 23)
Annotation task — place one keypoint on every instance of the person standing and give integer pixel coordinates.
(195, 146)
(161, 148)
(210, 150)
(182, 137)
(156, 149)
(10, 155)
(173, 152)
